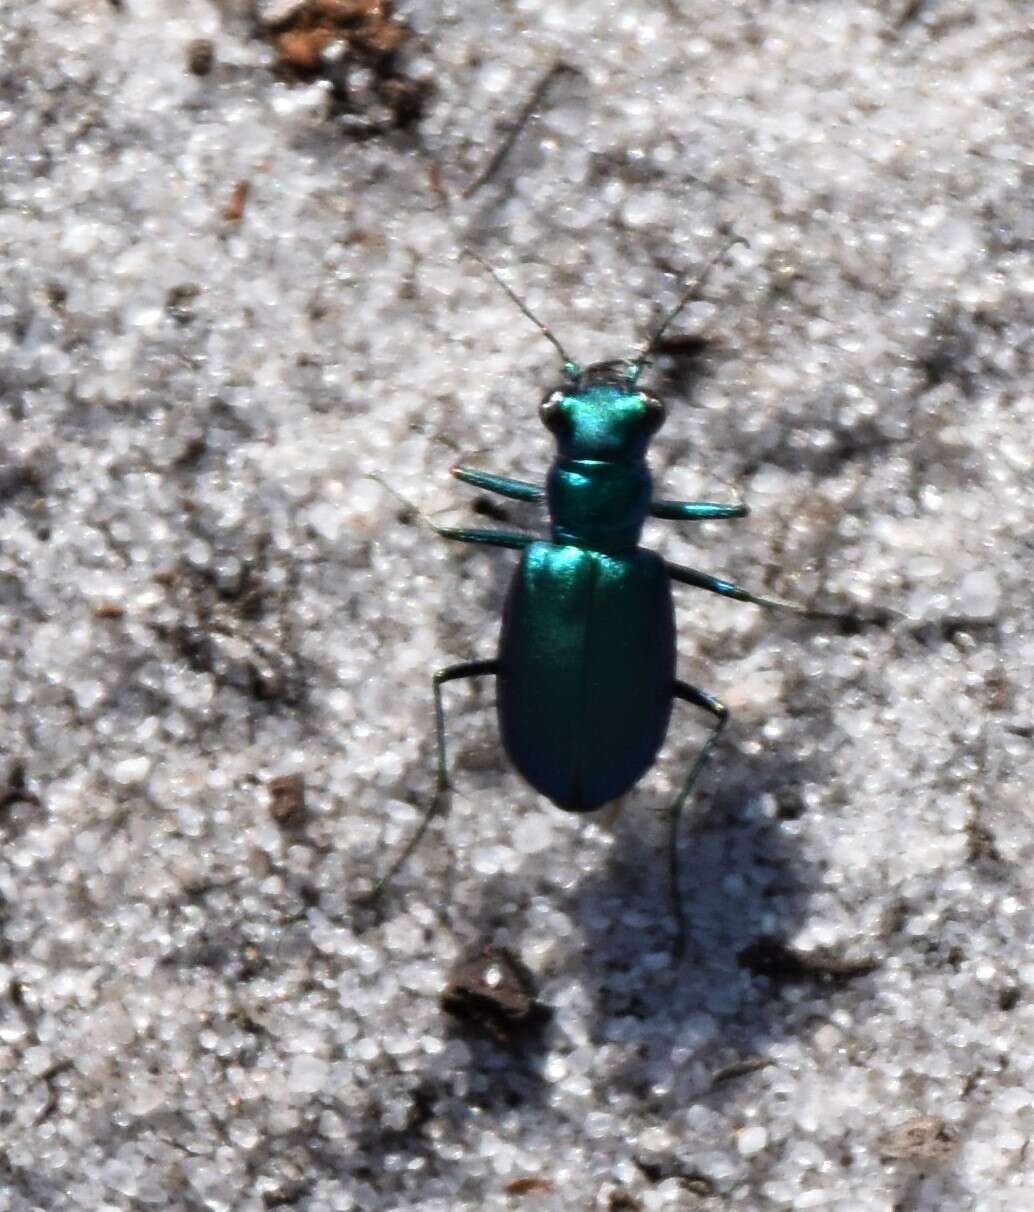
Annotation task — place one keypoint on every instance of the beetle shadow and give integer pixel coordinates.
(746, 886)
(742, 876)
(746, 889)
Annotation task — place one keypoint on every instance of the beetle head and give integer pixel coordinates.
(600, 413)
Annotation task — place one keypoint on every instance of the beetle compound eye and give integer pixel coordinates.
(654, 411)
(551, 410)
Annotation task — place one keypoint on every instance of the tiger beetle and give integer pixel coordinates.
(585, 671)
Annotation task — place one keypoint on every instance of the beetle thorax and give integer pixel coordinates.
(598, 504)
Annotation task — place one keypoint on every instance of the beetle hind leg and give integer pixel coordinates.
(440, 800)
(698, 698)
(609, 814)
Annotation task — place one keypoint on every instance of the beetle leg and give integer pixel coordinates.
(703, 580)
(880, 616)
(696, 511)
(698, 698)
(439, 802)
(609, 814)
(518, 490)
(494, 538)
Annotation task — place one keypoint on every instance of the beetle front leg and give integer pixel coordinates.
(698, 698)
(505, 486)
(493, 538)
(440, 799)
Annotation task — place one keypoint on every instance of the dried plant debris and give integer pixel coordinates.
(921, 1138)
(361, 47)
(492, 990)
(233, 211)
(740, 1068)
(531, 1184)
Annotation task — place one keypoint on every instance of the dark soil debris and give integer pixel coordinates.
(772, 958)
(15, 789)
(287, 800)
(1008, 998)
(180, 300)
(492, 990)
(360, 47)
(694, 1181)
(981, 847)
(200, 56)
(620, 1200)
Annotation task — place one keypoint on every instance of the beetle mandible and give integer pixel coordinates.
(585, 670)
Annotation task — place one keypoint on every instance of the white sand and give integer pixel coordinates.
(199, 591)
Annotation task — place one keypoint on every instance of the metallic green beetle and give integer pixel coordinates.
(585, 671)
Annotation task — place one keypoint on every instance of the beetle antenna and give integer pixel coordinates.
(570, 366)
(691, 292)
(405, 502)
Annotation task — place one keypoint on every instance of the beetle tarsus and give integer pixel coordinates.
(443, 788)
(439, 807)
(698, 698)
